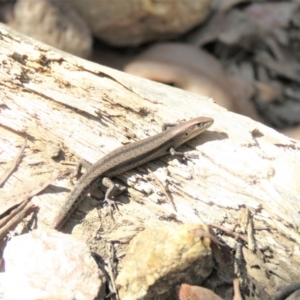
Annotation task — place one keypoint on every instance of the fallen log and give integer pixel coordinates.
(87, 110)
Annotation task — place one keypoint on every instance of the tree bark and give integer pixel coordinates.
(51, 97)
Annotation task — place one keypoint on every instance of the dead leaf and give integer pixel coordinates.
(187, 67)
(190, 292)
(26, 189)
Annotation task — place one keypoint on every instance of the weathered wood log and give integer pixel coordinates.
(52, 97)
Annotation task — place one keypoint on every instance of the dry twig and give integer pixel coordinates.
(12, 165)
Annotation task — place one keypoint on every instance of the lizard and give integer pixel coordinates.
(128, 157)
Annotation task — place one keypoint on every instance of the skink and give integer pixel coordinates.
(129, 157)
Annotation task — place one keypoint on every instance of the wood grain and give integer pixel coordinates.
(90, 110)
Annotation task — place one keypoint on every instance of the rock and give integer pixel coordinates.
(132, 22)
(55, 23)
(49, 265)
(158, 259)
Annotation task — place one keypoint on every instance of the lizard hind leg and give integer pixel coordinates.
(112, 190)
